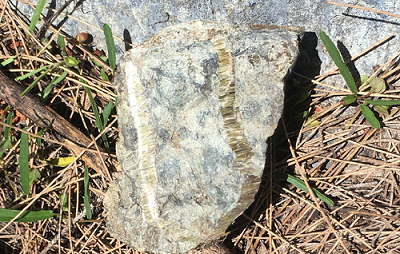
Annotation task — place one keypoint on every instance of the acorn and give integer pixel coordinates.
(84, 38)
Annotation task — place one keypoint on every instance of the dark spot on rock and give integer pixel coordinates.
(254, 59)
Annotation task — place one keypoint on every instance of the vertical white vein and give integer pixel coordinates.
(145, 143)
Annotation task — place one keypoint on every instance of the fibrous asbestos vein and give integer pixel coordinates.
(237, 141)
(146, 149)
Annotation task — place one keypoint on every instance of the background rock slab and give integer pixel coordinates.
(139, 20)
(196, 104)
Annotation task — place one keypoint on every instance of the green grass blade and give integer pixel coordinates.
(24, 162)
(110, 46)
(61, 43)
(97, 63)
(106, 113)
(370, 116)
(33, 84)
(86, 197)
(336, 57)
(47, 90)
(64, 202)
(34, 175)
(116, 101)
(302, 186)
(55, 81)
(104, 75)
(6, 143)
(61, 77)
(40, 133)
(384, 103)
(27, 75)
(98, 122)
(11, 59)
(28, 216)
(36, 14)
(7, 130)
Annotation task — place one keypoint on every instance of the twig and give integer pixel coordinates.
(48, 22)
(365, 8)
(31, 107)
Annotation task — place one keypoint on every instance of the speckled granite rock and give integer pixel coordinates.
(197, 102)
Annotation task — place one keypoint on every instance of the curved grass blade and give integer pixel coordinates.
(98, 120)
(106, 113)
(4, 145)
(7, 130)
(55, 81)
(302, 186)
(104, 75)
(33, 84)
(110, 46)
(36, 15)
(370, 116)
(28, 216)
(27, 75)
(336, 57)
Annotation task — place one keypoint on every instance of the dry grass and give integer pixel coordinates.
(69, 232)
(342, 155)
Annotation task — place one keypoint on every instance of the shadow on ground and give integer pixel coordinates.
(308, 64)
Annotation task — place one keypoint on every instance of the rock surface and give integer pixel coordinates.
(197, 102)
(139, 20)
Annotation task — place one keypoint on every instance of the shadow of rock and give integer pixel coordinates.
(308, 65)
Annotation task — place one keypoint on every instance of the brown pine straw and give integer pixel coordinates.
(304, 177)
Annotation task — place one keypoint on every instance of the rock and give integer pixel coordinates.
(138, 20)
(196, 104)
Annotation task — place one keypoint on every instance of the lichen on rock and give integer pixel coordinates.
(197, 102)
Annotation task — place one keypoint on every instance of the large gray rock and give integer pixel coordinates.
(139, 20)
(197, 102)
